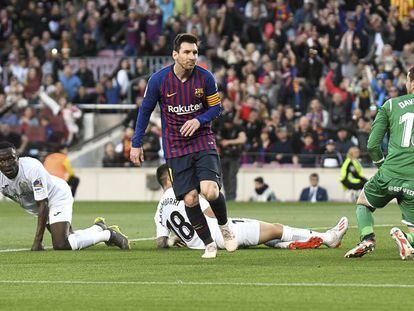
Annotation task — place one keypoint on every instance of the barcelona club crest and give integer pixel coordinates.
(199, 92)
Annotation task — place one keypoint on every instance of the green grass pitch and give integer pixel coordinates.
(102, 278)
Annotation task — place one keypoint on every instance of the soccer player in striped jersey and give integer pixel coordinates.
(188, 98)
(395, 178)
(174, 229)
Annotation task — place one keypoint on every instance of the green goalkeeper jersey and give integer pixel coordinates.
(396, 116)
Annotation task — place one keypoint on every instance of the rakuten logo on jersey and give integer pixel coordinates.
(180, 110)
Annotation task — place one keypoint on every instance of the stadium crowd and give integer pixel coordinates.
(301, 79)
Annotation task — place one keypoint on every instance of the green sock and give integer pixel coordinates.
(410, 238)
(365, 221)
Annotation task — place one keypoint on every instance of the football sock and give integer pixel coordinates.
(199, 223)
(294, 234)
(93, 228)
(219, 208)
(365, 222)
(85, 238)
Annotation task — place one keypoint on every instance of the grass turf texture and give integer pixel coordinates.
(144, 278)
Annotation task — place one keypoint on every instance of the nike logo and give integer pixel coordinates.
(57, 213)
(171, 95)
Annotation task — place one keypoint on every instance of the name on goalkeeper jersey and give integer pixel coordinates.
(406, 103)
(409, 192)
(180, 110)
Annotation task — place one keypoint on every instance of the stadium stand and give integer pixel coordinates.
(276, 62)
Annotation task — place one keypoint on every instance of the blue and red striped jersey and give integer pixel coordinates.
(180, 101)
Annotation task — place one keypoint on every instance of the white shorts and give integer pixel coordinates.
(247, 232)
(61, 211)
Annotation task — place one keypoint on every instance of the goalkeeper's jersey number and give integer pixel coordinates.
(408, 120)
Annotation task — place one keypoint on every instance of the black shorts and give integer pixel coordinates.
(187, 171)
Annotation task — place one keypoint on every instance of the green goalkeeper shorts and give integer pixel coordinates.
(381, 189)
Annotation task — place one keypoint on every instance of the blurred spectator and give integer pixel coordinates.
(131, 34)
(308, 152)
(343, 141)
(352, 176)
(231, 139)
(58, 164)
(314, 193)
(112, 92)
(111, 158)
(362, 135)
(82, 97)
(125, 147)
(140, 69)
(131, 118)
(151, 145)
(283, 147)
(19, 141)
(331, 157)
(70, 82)
(85, 74)
(262, 192)
(298, 138)
(253, 128)
(122, 75)
(87, 47)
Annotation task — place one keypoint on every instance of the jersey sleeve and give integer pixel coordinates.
(38, 179)
(379, 128)
(151, 97)
(160, 228)
(213, 101)
(203, 204)
(212, 95)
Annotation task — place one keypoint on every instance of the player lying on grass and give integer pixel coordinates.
(395, 178)
(171, 217)
(27, 182)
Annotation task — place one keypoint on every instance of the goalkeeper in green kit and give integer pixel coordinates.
(395, 177)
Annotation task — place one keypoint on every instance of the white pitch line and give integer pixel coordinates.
(143, 239)
(11, 250)
(190, 283)
(353, 227)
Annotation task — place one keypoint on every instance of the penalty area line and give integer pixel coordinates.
(190, 283)
(12, 250)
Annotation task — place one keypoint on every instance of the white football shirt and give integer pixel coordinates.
(33, 183)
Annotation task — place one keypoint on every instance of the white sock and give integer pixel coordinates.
(85, 238)
(93, 228)
(295, 234)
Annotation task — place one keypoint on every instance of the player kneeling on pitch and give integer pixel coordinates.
(171, 217)
(27, 182)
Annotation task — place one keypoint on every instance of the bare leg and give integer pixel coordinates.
(60, 234)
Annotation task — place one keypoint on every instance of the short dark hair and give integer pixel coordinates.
(6, 145)
(162, 174)
(259, 180)
(184, 37)
(314, 175)
(411, 71)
